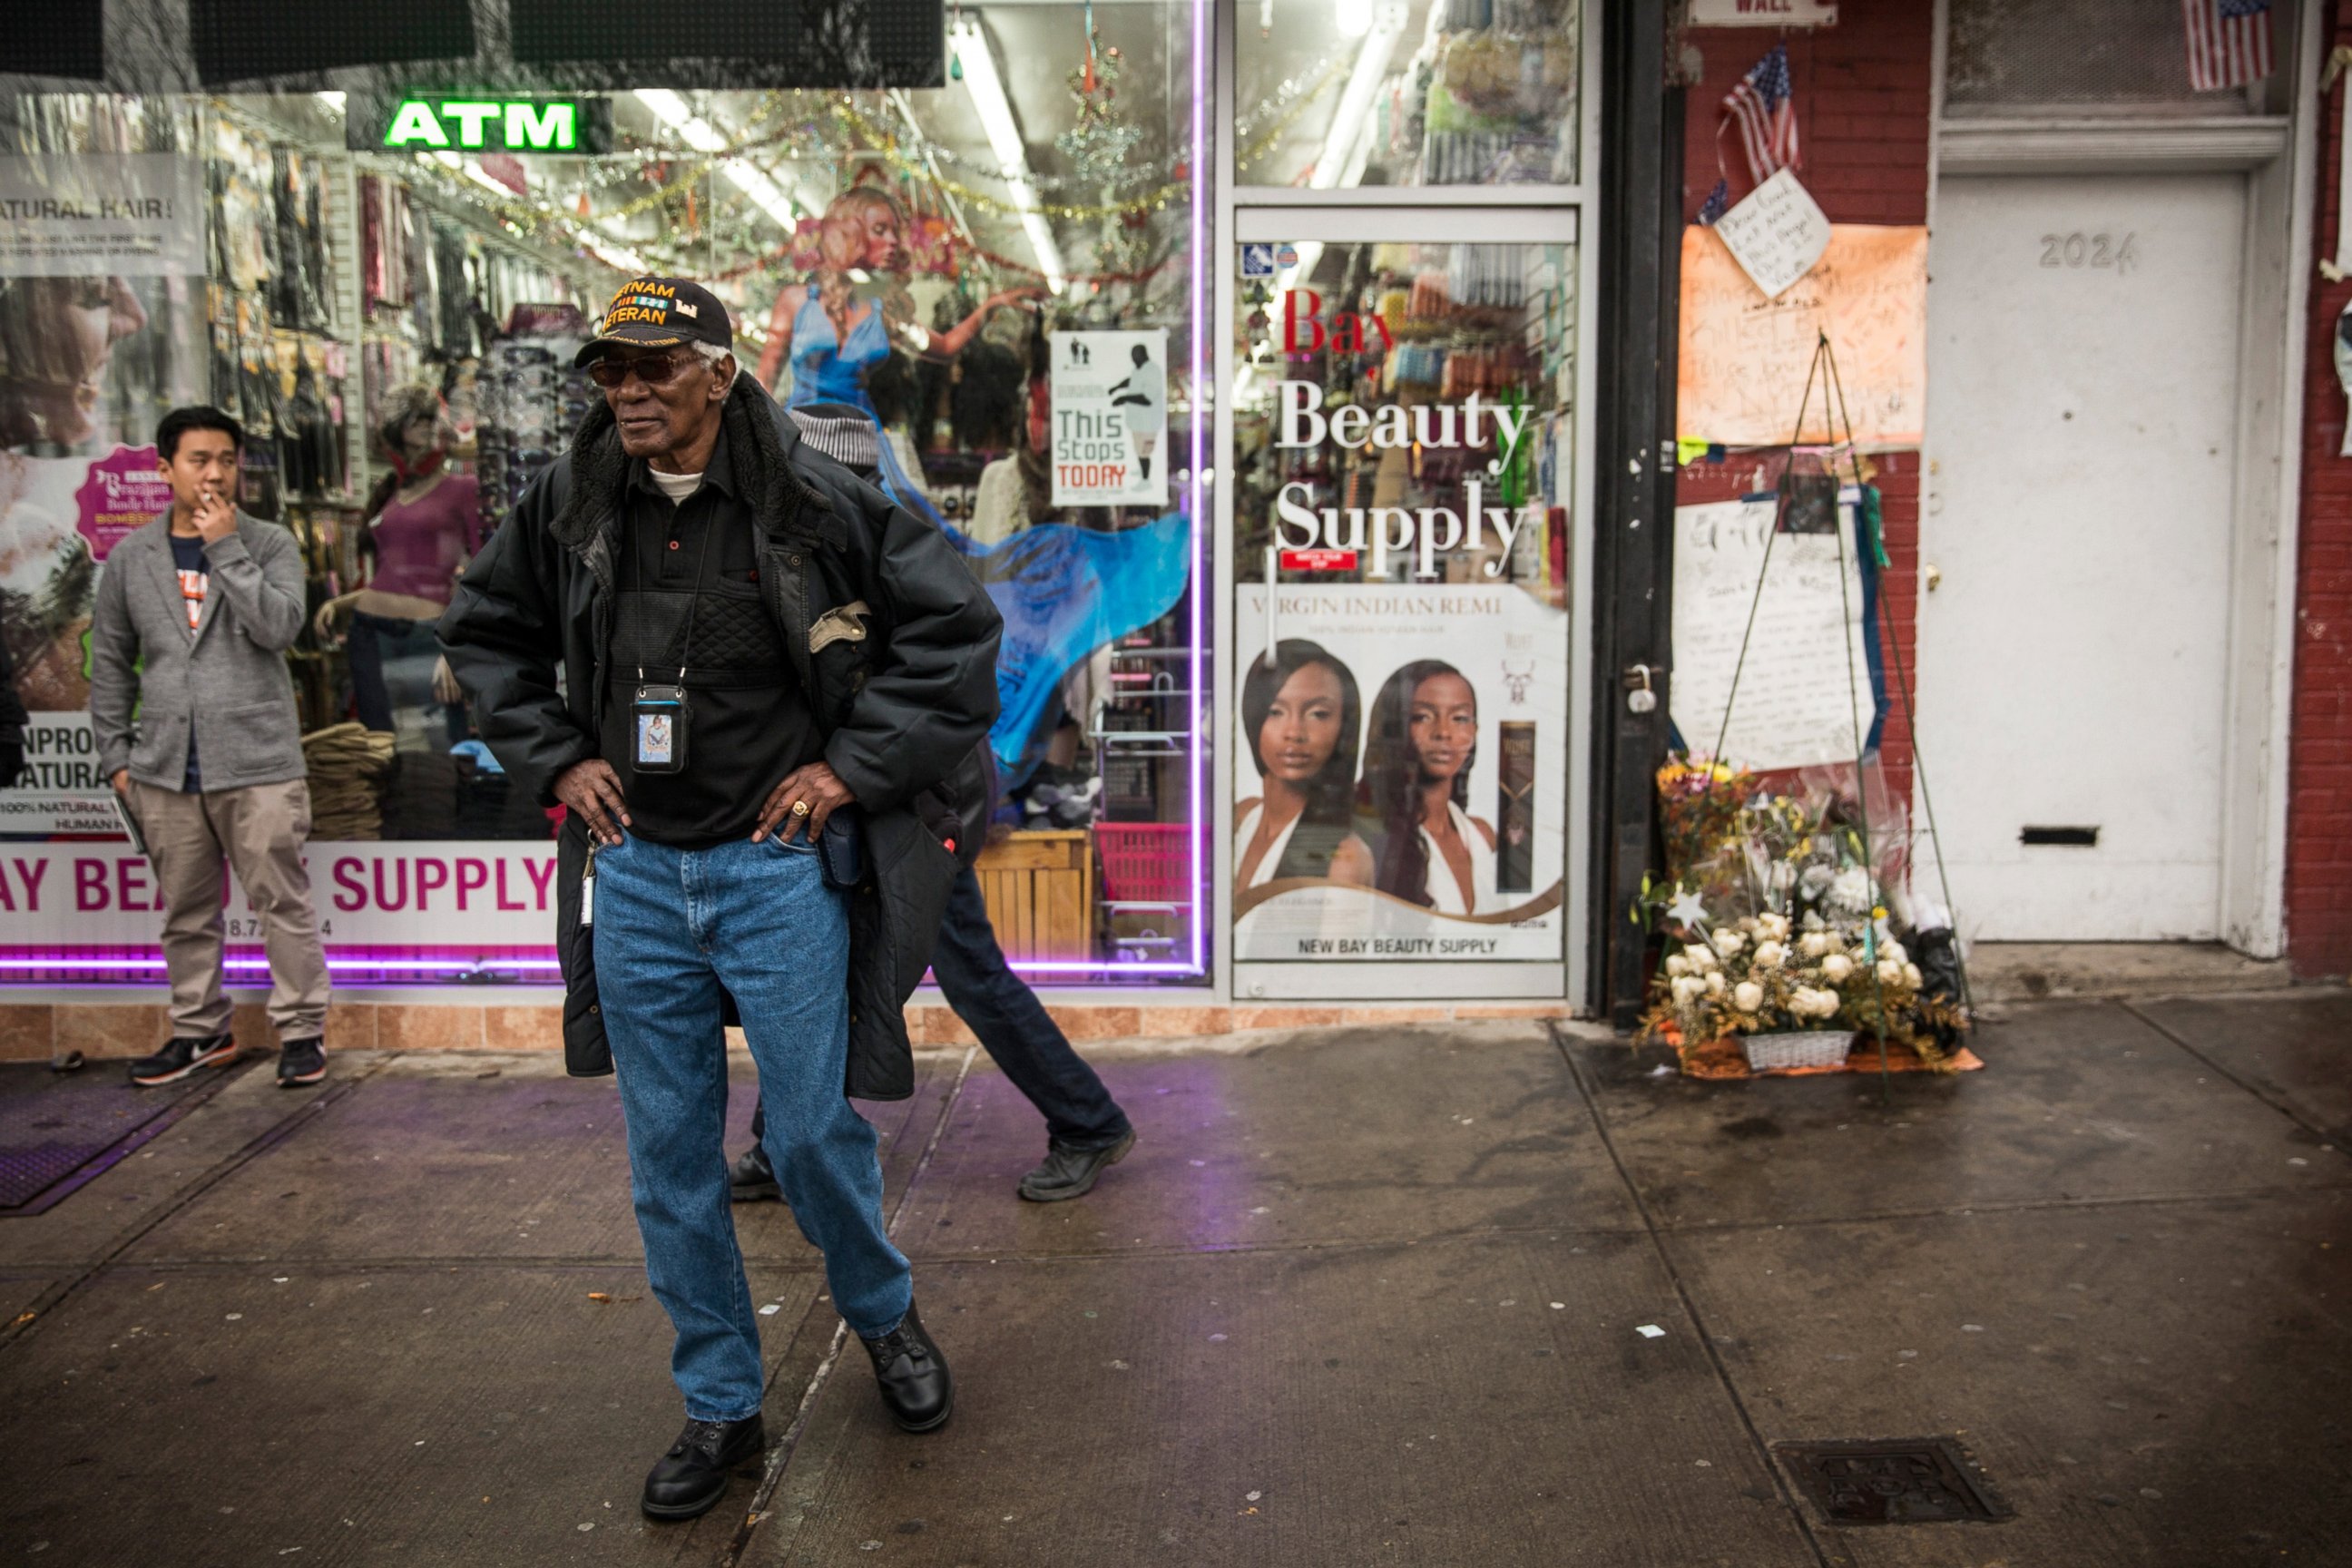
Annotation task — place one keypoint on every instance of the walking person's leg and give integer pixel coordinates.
(264, 827)
(1086, 1130)
(781, 947)
(187, 862)
(660, 1000)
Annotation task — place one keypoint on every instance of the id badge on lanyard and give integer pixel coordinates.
(659, 729)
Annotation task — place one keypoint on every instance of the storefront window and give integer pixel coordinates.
(1336, 94)
(981, 238)
(1405, 434)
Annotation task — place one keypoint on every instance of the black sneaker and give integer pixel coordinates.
(301, 1062)
(1070, 1173)
(178, 1058)
(753, 1178)
(912, 1376)
(688, 1481)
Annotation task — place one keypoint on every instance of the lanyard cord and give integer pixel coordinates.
(693, 603)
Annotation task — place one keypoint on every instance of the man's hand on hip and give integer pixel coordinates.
(806, 797)
(590, 790)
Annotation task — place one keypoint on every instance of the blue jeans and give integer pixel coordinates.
(672, 926)
(1014, 1028)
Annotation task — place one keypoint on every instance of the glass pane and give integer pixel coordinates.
(386, 282)
(1335, 94)
(1405, 441)
(2025, 57)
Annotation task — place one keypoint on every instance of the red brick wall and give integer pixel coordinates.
(1862, 101)
(2319, 748)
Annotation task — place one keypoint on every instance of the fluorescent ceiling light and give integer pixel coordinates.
(1352, 18)
(969, 46)
(704, 137)
(1387, 26)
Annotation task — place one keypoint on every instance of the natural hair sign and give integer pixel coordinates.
(1401, 774)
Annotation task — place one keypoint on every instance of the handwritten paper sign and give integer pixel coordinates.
(1744, 356)
(1797, 699)
(1776, 232)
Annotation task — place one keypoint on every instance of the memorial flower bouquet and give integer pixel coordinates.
(1778, 921)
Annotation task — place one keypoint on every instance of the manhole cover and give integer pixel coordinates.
(1897, 1480)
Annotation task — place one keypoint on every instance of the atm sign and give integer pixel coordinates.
(435, 124)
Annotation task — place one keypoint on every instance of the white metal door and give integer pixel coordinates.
(2082, 368)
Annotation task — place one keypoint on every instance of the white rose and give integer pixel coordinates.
(1807, 1002)
(1892, 950)
(1889, 971)
(1748, 995)
(1911, 976)
(1769, 953)
(1677, 964)
(1813, 943)
(1687, 989)
(1701, 958)
(1838, 968)
(1715, 981)
(1727, 942)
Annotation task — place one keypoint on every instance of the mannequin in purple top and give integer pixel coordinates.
(424, 523)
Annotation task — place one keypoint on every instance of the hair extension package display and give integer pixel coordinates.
(1401, 729)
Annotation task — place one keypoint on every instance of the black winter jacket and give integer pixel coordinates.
(902, 683)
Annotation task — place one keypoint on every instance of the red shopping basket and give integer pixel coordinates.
(1145, 862)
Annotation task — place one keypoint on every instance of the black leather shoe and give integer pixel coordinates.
(688, 1481)
(912, 1376)
(1070, 1173)
(753, 1178)
(181, 1056)
(301, 1062)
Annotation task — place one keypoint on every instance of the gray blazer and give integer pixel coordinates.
(153, 682)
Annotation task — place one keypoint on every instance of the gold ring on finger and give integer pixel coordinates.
(800, 808)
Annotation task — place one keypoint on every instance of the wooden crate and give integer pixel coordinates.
(1040, 889)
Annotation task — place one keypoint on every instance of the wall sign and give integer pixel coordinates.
(478, 122)
(1763, 13)
(1110, 393)
(1776, 232)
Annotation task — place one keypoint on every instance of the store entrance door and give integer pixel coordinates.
(1402, 539)
(2074, 625)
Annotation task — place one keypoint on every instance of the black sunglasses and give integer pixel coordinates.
(652, 369)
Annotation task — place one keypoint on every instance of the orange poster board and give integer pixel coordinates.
(1744, 357)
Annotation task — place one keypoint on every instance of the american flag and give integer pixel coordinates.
(2229, 42)
(1762, 104)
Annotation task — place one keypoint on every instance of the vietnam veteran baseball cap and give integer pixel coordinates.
(660, 313)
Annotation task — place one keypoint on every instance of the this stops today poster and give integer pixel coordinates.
(1109, 396)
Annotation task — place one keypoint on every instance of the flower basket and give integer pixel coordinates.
(1784, 1050)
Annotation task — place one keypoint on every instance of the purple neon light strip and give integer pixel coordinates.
(1203, 579)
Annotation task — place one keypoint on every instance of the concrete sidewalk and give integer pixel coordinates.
(1361, 1296)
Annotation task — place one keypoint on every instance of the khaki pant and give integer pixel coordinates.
(260, 829)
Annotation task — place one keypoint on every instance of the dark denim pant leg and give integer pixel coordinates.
(1014, 1028)
(365, 652)
(660, 999)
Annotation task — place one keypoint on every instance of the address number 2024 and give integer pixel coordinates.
(2080, 250)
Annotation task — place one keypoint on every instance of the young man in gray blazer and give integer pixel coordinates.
(197, 729)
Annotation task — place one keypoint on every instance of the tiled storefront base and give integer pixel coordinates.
(39, 1030)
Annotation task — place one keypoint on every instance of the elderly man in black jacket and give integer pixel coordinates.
(774, 684)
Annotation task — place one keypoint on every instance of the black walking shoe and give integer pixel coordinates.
(912, 1376)
(1070, 1173)
(180, 1057)
(688, 1481)
(753, 1178)
(301, 1062)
